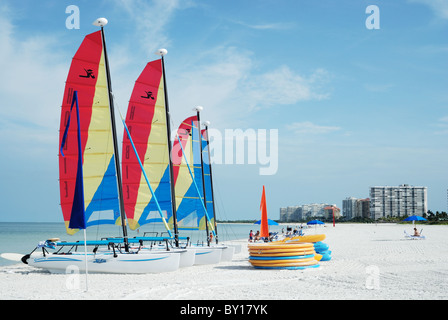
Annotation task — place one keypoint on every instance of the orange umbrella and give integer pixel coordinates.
(264, 232)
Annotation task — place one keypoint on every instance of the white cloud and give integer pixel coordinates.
(226, 81)
(385, 87)
(267, 26)
(31, 86)
(439, 7)
(308, 127)
(442, 124)
(151, 18)
(213, 80)
(283, 86)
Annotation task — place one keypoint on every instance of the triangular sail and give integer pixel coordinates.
(190, 210)
(87, 76)
(146, 121)
(264, 232)
(209, 196)
(78, 212)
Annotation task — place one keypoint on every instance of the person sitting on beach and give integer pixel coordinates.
(257, 236)
(416, 233)
(251, 236)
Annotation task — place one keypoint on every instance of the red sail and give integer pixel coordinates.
(146, 121)
(87, 76)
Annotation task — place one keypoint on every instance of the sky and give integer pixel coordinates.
(332, 97)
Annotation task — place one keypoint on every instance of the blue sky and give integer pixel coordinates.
(353, 107)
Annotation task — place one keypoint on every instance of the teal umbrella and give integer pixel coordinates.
(415, 218)
(270, 222)
(315, 222)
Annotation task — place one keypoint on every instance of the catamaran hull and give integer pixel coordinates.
(207, 255)
(187, 255)
(227, 253)
(154, 262)
(236, 246)
(187, 258)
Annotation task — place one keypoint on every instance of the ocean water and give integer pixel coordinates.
(23, 237)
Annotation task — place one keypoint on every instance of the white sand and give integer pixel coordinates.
(368, 262)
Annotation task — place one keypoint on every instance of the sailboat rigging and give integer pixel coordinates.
(96, 149)
(114, 137)
(193, 185)
(147, 126)
(208, 176)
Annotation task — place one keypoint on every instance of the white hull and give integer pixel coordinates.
(207, 255)
(187, 255)
(105, 262)
(236, 246)
(227, 253)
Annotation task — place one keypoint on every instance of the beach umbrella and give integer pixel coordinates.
(315, 222)
(414, 218)
(270, 222)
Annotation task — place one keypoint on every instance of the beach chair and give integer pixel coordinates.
(409, 236)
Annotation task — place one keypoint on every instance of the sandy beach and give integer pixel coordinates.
(369, 261)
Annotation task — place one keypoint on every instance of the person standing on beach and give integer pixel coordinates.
(251, 236)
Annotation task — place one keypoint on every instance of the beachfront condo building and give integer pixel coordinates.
(308, 211)
(290, 214)
(404, 200)
(355, 208)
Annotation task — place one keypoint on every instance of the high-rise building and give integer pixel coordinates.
(354, 208)
(303, 212)
(363, 207)
(349, 208)
(397, 201)
(289, 214)
(332, 211)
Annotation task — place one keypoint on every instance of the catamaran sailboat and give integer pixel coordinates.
(147, 172)
(194, 188)
(90, 179)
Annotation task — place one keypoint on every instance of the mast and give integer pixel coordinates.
(162, 53)
(198, 110)
(101, 22)
(206, 124)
